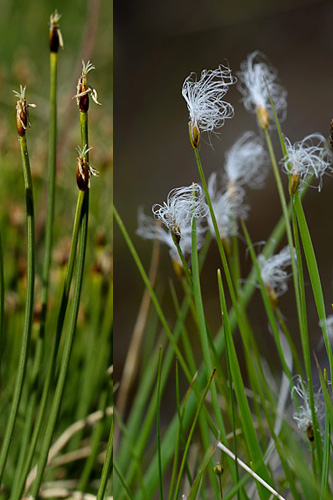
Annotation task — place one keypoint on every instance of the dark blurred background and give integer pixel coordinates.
(156, 46)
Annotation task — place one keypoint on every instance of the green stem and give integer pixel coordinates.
(107, 466)
(55, 345)
(66, 353)
(29, 305)
(51, 188)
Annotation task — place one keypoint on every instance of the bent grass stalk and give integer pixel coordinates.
(28, 305)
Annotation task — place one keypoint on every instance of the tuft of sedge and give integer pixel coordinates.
(55, 36)
(263, 117)
(22, 115)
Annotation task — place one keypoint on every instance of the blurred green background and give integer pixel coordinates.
(157, 45)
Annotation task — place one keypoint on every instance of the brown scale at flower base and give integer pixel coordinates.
(22, 115)
(83, 170)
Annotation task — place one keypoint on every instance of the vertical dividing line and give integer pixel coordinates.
(29, 305)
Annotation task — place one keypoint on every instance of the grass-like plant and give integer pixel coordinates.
(238, 430)
(56, 390)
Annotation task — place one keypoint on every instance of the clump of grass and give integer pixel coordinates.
(45, 365)
(233, 435)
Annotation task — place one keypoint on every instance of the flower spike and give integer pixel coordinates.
(83, 90)
(22, 114)
(204, 99)
(56, 39)
(83, 170)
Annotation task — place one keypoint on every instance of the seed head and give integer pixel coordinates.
(22, 114)
(246, 162)
(182, 205)
(83, 170)
(305, 158)
(56, 39)
(302, 414)
(152, 229)
(255, 79)
(83, 90)
(204, 98)
(274, 274)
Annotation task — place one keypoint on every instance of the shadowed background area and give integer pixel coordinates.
(157, 45)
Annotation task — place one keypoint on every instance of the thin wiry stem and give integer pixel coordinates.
(28, 305)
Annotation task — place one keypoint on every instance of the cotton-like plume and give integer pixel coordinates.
(204, 99)
(305, 158)
(228, 206)
(246, 162)
(255, 78)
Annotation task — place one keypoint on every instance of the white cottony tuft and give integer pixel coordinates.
(302, 414)
(255, 76)
(306, 157)
(181, 206)
(150, 229)
(228, 206)
(273, 272)
(246, 162)
(204, 98)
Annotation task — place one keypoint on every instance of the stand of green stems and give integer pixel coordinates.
(29, 305)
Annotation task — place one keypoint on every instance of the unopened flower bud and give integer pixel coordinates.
(218, 469)
(55, 36)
